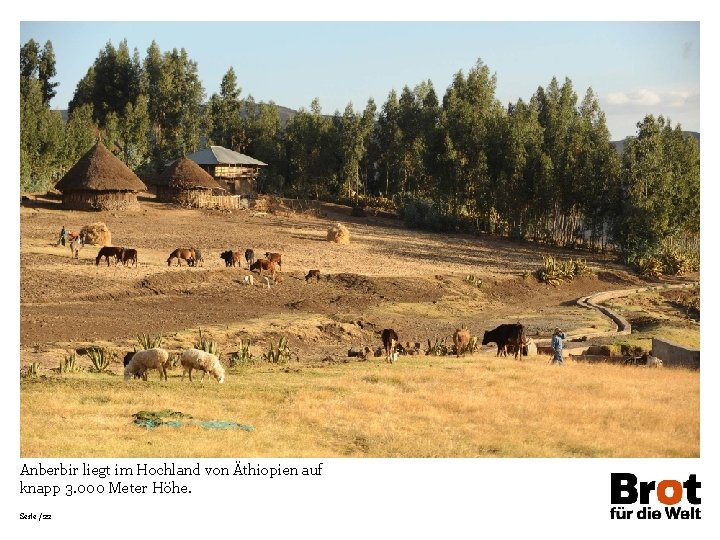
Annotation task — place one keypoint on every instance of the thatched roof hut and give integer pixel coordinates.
(184, 182)
(100, 181)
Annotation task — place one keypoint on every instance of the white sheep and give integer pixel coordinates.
(204, 361)
(141, 361)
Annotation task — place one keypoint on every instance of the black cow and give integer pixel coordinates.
(504, 335)
(126, 361)
(249, 257)
(107, 252)
(231, 258)
(390, 342)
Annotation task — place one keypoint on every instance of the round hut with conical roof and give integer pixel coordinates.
(100, 181)
(185, 182)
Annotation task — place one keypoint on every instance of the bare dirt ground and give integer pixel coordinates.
(388, 276)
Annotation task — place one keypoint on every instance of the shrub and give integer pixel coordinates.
(278, 354)
(243, 356)
(147, 341)
(555, 271)
(438, 348)
(207, 345)
(101, 358)
(31, 371)
(70, 365)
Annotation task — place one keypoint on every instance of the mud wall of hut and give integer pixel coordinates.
(99, 200)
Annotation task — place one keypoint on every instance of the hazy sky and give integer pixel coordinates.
(635, 68)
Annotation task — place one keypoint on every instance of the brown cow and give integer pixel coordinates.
(264, 264)
(188, 254)
(75, 246)
(461, 339)
(107, 252)
(274, 257)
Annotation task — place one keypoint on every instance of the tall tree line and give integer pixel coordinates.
(542, 168)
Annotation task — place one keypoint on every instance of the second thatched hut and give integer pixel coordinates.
(184, 182)
(100, 181)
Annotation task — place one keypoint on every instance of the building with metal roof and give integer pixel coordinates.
(233, 170)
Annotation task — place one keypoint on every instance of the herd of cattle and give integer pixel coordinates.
(509, 338)
(194, 257)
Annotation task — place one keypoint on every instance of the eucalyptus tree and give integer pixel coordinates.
(264, 138)
(46, 71)
(175, 96)
(659, 190)
(595, 166)
(41, 131)
(470, 111)
(40, 128)
(309, 151)
(225, 111)
(558, 115)
(389, 140)
(80, 134)
(525, 191)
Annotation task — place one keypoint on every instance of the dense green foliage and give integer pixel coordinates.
(542, 169)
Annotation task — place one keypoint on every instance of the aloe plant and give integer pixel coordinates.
(101, 358)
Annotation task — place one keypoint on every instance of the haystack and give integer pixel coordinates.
(96, 234)
(339, 234)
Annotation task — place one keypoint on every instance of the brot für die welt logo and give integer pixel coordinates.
(681, 499)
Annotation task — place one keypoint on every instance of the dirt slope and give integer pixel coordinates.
(387, 276)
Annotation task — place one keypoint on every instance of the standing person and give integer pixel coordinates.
(63, 236)
(557, 346)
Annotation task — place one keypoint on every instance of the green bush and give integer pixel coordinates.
(70, 365)
(278, 354)
(243, 356)
(147, 341)
(554, 271)
(207, 345)
(101, 358)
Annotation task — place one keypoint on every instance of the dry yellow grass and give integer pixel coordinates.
(477, 406)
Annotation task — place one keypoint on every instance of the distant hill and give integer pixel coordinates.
(620, 145)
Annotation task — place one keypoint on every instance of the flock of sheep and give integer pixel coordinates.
(138, 363)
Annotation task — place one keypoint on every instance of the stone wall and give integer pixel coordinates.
(674, 355)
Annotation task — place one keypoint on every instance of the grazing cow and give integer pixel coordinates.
(461, 339)
(274, 257)
(231, 258)
(506, 334)
(75, 246)
(129, 256)
(313, 274)
(198, 260)
(249, 257)
(107, 252)
(187, 254)
(264, 264)
(390, 341)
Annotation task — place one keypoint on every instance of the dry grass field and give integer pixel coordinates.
(322, 403)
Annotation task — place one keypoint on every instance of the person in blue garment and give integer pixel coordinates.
(557, 346)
